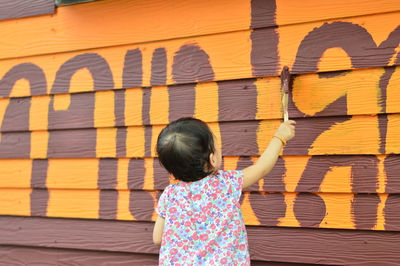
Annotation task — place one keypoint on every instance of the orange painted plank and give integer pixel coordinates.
(109, 23)
(333, 174)
(294, 12)
(78, 27)
(222, 56)
(321, 210)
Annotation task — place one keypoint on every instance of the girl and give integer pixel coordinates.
(199, 219)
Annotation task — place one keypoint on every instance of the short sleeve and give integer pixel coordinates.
(162, 203)
(234, 180)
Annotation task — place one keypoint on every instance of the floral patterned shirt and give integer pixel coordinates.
(203, 222)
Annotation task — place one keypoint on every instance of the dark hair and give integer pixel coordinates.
(184, 148)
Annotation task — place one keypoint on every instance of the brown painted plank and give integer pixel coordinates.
(319, 210)
(14, 255)
(25, 8)
(265, 243)
(341, 174)
(364, 134)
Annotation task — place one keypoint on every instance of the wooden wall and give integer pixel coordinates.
(86, 90)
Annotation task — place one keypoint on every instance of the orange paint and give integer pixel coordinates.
(104, 109)
(135, 142)
(123, 212)
(338, 211)
(293, 12)
(78, 27)
(133, 106)
(393, 95)
(106, 142)
(15, 201)
(380, 223)
(337, 179)
(73, 203)
(72, 173)
(360, 135)
(269, 98)
(248, 214)
(122, 174)
(266, 131)
(39, 143)
(159, 105)
(392, 136)
(149, 174)
(290, 218)
(206, 106)
(15, 173)
(38, 116)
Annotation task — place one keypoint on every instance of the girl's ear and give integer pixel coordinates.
(213, 160)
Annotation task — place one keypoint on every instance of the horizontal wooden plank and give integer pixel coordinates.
(19, 256)
(357, 92)
(77, 27)
(352, 135)
(265, 243)
(34, 35)
(294, 12)
(340, 174)
(216, 57)
(320, 210)
(25, 8)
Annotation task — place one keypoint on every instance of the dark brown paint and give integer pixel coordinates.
(107, 177)
(237, 100)
(392, 170)
(39, 198)
(263, 13)
(25, 8)
(159, 67)
(239, 138)
(268, 207)
(119, 107)
(136, 173)
(364, 208)
(309, 209)
(161, 176)
(132, 75)
(354, 39)
(391, 212)
(182, 100)
(326, 246)
(141, 205)
(191, 64)
(79, 143)
(121, 142)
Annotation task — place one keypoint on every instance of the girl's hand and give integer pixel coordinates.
(286, 130)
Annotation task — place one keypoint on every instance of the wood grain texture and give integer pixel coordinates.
(368, 45)
(14, 255)
(364, 134)
(341, 174)
(25, 8)
(319, 210)
(119, 15)
(265, 243)
(351, 93)
(21, 256)
(77, 27)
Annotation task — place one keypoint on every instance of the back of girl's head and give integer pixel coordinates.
(184, 148)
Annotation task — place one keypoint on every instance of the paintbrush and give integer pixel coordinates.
(285, 83)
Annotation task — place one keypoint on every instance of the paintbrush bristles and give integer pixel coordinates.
(285, 79)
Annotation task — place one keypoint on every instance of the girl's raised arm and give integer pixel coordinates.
(269, 157)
